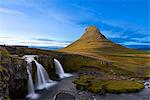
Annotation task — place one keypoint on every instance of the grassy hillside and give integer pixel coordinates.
(95, 45)
(127, 65)
(72, 62)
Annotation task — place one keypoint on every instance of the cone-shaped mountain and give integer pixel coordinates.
(92, 33)
(94, 41)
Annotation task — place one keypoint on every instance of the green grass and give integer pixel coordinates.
(96, 86)
(4, 52)
(147, 74)
(2, 69)
(119, 86)
(83, 80)
(86, 82)
(73, 62)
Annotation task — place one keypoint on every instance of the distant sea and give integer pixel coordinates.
(46, 47)
(138, 47)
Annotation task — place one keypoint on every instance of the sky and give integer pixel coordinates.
(60, 22)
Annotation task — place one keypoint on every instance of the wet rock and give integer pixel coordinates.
(64, 96)
(47, 62)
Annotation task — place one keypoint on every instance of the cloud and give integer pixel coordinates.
(44, 40)
(111, 34)
(50, 40)
(124, 33)
(10, 11)
(4, 37)
(67, 22)
(33, 42)
(44, 43)
(135, 43)
(86, 9)
(144, 39)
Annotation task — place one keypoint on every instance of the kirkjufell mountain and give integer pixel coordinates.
(94, 41)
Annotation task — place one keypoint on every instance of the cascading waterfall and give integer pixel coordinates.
(59, 69)
(31, 91)
(42, 79)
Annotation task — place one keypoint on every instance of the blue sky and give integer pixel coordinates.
(59, 22)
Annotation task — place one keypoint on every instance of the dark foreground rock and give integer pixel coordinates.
(13, 76)
(4, 83)
(64, 96)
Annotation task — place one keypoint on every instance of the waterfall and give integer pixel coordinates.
(42, 79)
(31, 91)
(59, 69)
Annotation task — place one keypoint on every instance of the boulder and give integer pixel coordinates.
(64, 96)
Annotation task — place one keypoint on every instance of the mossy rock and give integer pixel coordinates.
(4, 74)
(2, 69)
(96, 86)
(123, 86)
(6, 98)
(4, 52)
(85, 82)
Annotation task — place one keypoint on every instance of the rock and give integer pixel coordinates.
(4, 82)
(47, 62)
(18, 76)
(103, 90)
(122, 77)
(64, 96)
(14, 77)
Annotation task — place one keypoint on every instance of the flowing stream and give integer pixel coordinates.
(50, 88)
(68, 85)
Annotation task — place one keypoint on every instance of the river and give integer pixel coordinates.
(66, 85)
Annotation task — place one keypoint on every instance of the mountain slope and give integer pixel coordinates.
(95, 45)
(93, 41)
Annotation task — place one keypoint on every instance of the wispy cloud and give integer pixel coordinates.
(111, 34)
(44, 39)
(67, 21)
(135, 43)
(33, 42)
(10, 11)
(125, 33)
(44, 43)
(4, 37)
